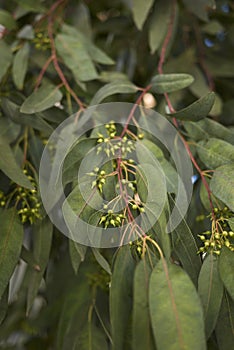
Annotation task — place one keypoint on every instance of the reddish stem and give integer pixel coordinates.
(131, 114)
(167, 39)
(56, 64)
(42, 72)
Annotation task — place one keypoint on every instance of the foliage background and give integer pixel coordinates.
(57, 58)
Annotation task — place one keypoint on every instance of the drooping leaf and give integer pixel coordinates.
(159, 23)
(140, 11)
(206, 127)
(226, 270)
(115, 87)
(11, 239)
(73, 315)
(175, 309)
(77, 254)
(7, 20)
(9, 166)
(43, 98)
(121, 296)
(197, 110)
(75, 56)
(147, 152)
(185, 247)
(141, 318)
(9, 130)
(12, 110)
(95, 53)
(91, 338)
(20, 65)
(210, 290)
(101, 260)
(214, 152)
(170, 82)
(200, 87)
(5, 58)
(42, 236)
(222, 184)
(225, 326)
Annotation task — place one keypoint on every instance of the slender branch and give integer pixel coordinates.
(56, 64)
(42, 72)
(131, 114)
(167, 39)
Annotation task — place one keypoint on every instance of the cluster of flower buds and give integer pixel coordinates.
(41, 41)
(220, 236)
(214, 243)
(112, 219)
(25, 200)
(100, 178)
(113, 145)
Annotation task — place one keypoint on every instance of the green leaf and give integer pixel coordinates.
(76, 57)
(43, 98)
(9, 130)
(225, 326)
(200, 7)
(77, 254)
(226, 270)
(144, 150)
(175, 309)
(121, 296)
(208, 127)
(170, 82)
(11, 239)
(210, 290)
(20, 65)
(7, 20)
(197, 110)
(222, 184)
(101, 260)
(140, 11)
(32, 7)
(26, 32)
(9, 166)
(115, 87)
(95, 53)
(141, 318)
(73, 315)
(200, 87)
(42, 240)
(185, 248)
(91, 338)
(214, 152)
(12, 110)
(231, 223)
(5, 58)
(159, 23)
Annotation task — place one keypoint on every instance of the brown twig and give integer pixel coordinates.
(42, 72)
(56, 64)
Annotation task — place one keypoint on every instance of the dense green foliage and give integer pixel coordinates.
(162, 291)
